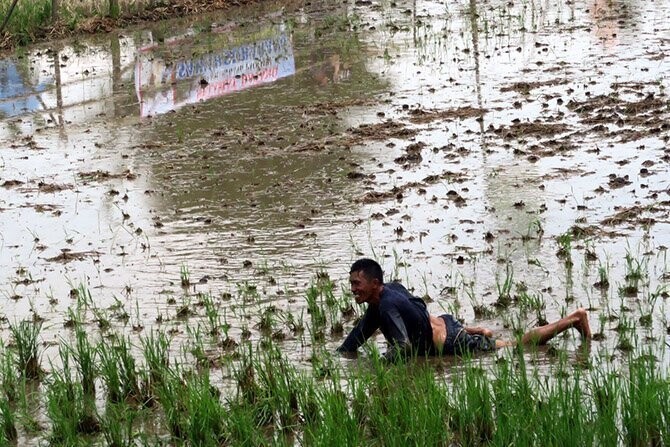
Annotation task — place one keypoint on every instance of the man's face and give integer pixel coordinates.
(365, 290)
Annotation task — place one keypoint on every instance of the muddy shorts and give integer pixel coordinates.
(459, 342)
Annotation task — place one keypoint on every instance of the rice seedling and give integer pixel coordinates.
(533, 302)
(196, 347)
(514, 401)
(480, 308)
(116, 425)
(646, 411)
(85, 356)
(333, 306)
(565, 247)
(534, 231)
(114, 8)
(329, 418)
(603, 282)
(268, 320)
(248, 292)
(647, 307)
(313, 296)
(536, 262)
(184, 276)
(118, 371)
(25, 336)
(118, 310)
(472, 419)
(157, 358)
(8, 430)
(29, 406)
(250, 393)
(71, 411)
(280, 385)
(10, 381)
(606, 392)
(566, 391)
(625, 334)
(171, 397)
(295, 324)
(431, 411)
(600, 333)
(84, 298)
(590, 255)
(635, 269)
(636, 272)
(504, 288)
(100, 316)
(212, 314)
(136, 322)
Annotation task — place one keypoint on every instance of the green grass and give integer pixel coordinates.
(31, 19)
(26, 19)
(273, 401)
(181, 386)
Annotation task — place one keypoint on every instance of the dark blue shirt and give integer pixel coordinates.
(402, 318)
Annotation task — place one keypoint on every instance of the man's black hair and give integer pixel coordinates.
(370, 268)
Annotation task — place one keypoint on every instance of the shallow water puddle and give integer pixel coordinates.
(466, 145)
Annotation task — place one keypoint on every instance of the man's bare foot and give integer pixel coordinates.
(582, 323)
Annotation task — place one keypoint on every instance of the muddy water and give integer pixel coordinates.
(453, 141)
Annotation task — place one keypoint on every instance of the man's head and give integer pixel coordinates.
(367, 281)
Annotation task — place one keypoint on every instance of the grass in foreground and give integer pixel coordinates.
(275, 403)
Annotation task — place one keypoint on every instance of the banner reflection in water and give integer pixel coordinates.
(162, 87)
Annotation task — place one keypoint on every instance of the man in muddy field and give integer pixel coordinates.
(410, 330)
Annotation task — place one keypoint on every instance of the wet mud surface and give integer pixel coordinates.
(464, 145)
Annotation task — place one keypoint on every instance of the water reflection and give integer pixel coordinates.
(163, 85)
(605, 22)
(18, 94)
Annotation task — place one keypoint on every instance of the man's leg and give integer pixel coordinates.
(579, 320)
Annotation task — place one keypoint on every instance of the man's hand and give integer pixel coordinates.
(479, 331)
(487, 332)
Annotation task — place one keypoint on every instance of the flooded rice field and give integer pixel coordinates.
(463, 144)
(508, 161)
